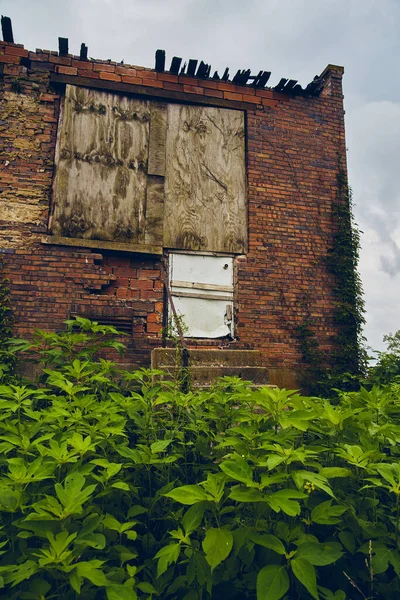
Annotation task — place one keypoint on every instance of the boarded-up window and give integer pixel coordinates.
(100, 189)
(148, 175)
(202, 292)
(205, 191)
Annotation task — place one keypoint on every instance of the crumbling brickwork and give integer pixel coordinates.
(295, 148)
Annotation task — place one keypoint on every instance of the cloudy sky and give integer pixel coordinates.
(291, 38)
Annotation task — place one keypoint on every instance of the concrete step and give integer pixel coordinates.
(206, 366)
(163, 357)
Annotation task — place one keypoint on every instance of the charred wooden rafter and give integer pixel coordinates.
(6, 27)
(202, 70)
(62, 46)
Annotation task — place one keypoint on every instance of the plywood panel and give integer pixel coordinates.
(154, 211)
(158, 133)
(101, 176)
(205, 190)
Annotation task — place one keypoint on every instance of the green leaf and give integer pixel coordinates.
(301, 477)
(71, 495)
(305, 573)
(217, 545)
(116, 591)
(188, 494)
(285, 500)
(167, 555)
(320, 554)
(147, 588)
(325, 514)
(160, 446)
(347, 539)
(272, 582)
(238, 469)
(242, 494)
(89, 570)
(269, 541)
(331, 472)
(193, 518)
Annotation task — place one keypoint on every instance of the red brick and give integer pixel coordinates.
(265, 93)
(229, 96)
(133, 80)
(125, 71)
(16, 51)
(152, 83)
(148, 74)
(178, 87)
(193, 89)
(38, 57)
(214, 93)
(60, 60)
(67, 70)
(252, 99)
(189, 80)
(227, 87)
(82, 64)
(167, 77)
(9, 58)
(267, 102)
(209, 84)
(91, 74)
(110, 76)
(104, 67)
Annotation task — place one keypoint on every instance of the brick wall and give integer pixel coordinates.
(295, 146)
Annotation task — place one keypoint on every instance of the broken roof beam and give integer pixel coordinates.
(241, 77)
(62, 46)
(160, 61)
(6, 27)
(203, 71)
(192, 64)
(84, 52)
(225, 76)
(289, 86)
(279, 87)
(175, 65)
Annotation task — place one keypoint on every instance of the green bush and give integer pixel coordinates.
(116, 485)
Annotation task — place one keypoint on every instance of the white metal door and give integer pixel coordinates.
(202, 291)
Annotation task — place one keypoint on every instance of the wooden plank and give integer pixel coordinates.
(202, 286)
(62, 46)
(160, 61)
(133, 90)
(158, 133)
(205, 183)
(101, 172)
(175, 64)
(84, 52)
(100, 244)
(154, 211)
(6, 27)
(192, 67)
(227, 298)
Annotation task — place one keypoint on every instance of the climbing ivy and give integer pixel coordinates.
(7, 357)
(348, 356)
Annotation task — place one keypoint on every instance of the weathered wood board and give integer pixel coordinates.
(158, 134)
(101, 174)
(205, 184)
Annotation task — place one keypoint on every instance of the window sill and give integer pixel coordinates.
(101, 244)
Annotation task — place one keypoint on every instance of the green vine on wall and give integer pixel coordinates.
(348, 315)
(7, 357)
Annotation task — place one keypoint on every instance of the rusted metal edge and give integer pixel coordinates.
(148, 92)
(100, 244)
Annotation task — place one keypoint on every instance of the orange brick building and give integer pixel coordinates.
(117, 181)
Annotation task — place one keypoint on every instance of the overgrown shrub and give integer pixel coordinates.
(115, 485)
